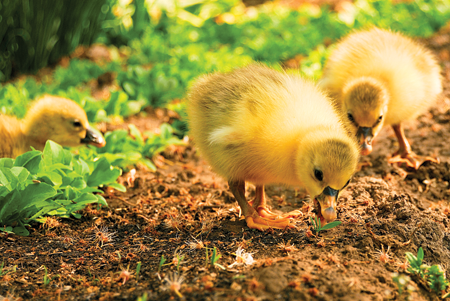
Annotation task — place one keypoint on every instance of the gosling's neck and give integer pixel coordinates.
(34, 135)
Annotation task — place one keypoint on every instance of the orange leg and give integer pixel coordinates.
(404, 153)
(253, 219)
(259, 204)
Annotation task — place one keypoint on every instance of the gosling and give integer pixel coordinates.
(55, 118)
(259, 125)
(379, 77)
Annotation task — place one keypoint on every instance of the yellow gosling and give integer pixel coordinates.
(379, 77)
(259, 125)
(55, 118)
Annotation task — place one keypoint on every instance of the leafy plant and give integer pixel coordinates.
(47, 279)
(179, 260)
(415, 262)
(161, 263)
(125, 148)
(213, 258)
(316, 224)
(402, 282)
(3, 272)
(138, 270)
(53, 182)
(433, 275)
(37, 33)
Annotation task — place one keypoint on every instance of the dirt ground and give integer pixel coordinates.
(184, 208)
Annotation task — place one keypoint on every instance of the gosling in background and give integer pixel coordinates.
(259, 125)
(55, 118)
(379, 77)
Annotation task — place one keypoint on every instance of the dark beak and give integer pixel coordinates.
(365, 138)
(327, 200)
(94, 137)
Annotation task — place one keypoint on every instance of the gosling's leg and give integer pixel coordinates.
(259, 204)
(254, 221)
(404, 153)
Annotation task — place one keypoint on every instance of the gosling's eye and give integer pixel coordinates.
(76, 124)
(380, 118)
(350, 117)
(318, 174)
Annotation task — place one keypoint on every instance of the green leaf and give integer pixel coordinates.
(35, 193)
(103, 173)
(149, 164)
(8, 178)
(101, 200)
(331, 225)
(49, 177)
(80, 167)
(6, 162)
(83, 200)
(79, 183)
(166, 131)
(30, 160)
(118, 187)
(21, 230)
(53, 153)
(420, 254)
(136, 133)
(21, 173)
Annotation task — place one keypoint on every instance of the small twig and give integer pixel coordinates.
(146, 218)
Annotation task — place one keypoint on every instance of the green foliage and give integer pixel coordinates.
(316, 224)
(213, 258)
(415, 262)
(161, 263)
(53, 182)
(3, 271)
(138, 270)
(67, 82)
(179, 261)
(47, 279)
(436, 278)
(36, 33)
(125, 148)
(433, 275)
(194, 12)
(402, 282)
(144, 297)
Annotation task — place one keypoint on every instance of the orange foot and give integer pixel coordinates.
(255, 221)
(411, 160)
(264, 212)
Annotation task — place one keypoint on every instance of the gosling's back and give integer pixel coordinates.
(248, 123)
(408, 70)
(11, 137)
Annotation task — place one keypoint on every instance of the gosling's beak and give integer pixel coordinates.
(327, 200)
(94, 137)
(365, 139)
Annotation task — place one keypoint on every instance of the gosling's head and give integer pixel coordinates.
(61, 120)
(326, 162)
(365, 102)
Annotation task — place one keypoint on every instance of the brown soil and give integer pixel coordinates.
(184, 207)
